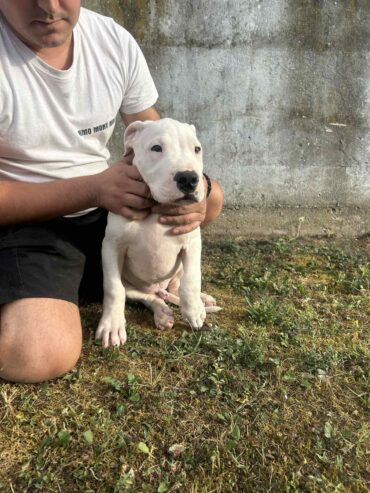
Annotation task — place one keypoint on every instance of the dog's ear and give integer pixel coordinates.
(131, 132)
(193, 129)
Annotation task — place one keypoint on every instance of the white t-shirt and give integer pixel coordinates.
(56, 124)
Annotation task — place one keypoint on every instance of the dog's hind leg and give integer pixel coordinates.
(163, 315)
(173, 296)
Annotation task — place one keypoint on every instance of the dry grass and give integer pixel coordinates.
(273, 397)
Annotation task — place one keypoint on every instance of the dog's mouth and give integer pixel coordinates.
(186, 199)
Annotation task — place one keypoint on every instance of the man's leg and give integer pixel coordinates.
(40, 339)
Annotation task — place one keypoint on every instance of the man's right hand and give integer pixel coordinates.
(121, 190)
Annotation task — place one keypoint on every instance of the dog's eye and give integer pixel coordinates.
(156, 148)
(197, 150)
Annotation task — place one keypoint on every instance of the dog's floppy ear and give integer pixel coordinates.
(193, 128)
(131, 132)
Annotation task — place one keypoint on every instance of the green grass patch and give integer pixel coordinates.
(273, 396)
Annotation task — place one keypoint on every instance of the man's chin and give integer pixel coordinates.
(38, 43)
(49, 37)
(55, 43)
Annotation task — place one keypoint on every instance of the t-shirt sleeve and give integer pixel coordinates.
(140, 92)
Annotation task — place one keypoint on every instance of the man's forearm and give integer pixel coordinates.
(214, 203)
(23, 202)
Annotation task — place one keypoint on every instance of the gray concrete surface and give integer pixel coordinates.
(278, 89)
(290, 222)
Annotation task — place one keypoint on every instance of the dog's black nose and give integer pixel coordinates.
(186, 181)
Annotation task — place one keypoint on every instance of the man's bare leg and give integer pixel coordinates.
(40, 339)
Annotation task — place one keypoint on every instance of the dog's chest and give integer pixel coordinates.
(153, 246)
(152, 252)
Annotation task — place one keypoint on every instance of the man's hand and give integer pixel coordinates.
(185, 218)
(122, 190)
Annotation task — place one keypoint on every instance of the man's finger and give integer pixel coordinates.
(176, 210)
(170, 210)
(133, 173)
(185, 229)
(137, 202)
(139, 188)
(181, 220)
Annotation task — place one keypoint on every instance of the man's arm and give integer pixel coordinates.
(149, 114)
(119, 189)
(23, 202)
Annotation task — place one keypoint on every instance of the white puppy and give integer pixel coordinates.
(140, 260)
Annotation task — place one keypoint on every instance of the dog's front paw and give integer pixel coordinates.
(194, 314)
(112, 330)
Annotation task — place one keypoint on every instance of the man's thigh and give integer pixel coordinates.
(37, 261)
(49, 259)
(40, 339)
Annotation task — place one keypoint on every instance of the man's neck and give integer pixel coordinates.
(59, 57)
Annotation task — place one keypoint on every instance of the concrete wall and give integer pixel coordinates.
(279, 91)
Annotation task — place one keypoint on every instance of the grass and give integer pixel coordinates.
(273, 397)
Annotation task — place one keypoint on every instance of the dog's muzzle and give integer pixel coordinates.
(186, 181)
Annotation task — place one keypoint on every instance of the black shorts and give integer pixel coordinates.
(58, 259)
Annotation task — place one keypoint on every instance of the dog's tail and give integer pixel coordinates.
(213, 309)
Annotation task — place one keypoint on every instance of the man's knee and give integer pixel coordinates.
(40, 350)
(37, 364)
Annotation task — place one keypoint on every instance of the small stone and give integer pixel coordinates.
(176, 450)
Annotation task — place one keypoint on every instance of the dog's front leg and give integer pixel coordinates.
(192, 307)
(112, 326)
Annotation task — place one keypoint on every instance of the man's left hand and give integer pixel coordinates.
(184, 218)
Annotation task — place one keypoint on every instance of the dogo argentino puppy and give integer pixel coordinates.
(140, 260)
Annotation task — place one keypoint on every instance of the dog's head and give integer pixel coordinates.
(168, 156)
